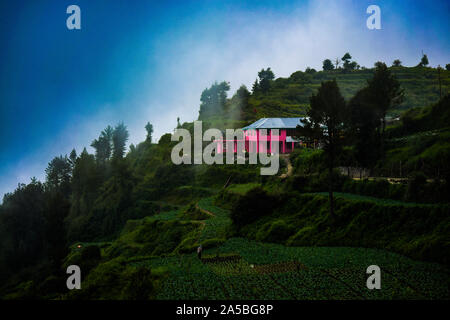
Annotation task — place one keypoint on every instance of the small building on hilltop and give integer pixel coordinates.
(259, 138)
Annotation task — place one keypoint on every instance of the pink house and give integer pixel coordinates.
(256, 141)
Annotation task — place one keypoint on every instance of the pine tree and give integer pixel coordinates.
(325, 122)
(119, 138)
(149, 128)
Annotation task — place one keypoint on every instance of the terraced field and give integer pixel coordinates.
(215, 226)
(244, 269)
(356, 197)
(268, 271)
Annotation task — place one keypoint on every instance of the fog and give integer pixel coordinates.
(234, 47)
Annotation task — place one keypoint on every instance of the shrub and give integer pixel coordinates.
(188, 245)
(139, 285)
(254, 204)
(380, 188)
(89, 258)
(416, 183)
(277, 231)
(90, 253)
(191, 212)
(211, 243)
(418, 231)
(114, 280)
(152, 237)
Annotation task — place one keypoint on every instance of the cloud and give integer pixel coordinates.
(231, 46)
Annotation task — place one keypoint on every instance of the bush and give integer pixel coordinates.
(318, 182)
(191, 212)
(89, 258)
(254, 204)
(153, 237)
(416, 183)
(139, 285)
(380, 188)
(418, 231)
(114, 280)
(188, 245)
(277, 231)
(211, 243)
(90, 253)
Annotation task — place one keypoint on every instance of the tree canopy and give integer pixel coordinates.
(326, 118)
(396, 63)
(119, 139)
(424, 61)
(385, 90)
(327, 65)
(213, 100)
(265, 78)
(149, 129)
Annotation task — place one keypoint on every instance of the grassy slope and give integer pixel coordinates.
(419, 142)
(290, 96)
(419, 231)
(165, 244)
(326, 272)
(268, 271)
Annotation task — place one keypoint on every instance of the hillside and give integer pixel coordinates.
(132, 219)
(289, 97)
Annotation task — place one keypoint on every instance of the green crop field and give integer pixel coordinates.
(244, 269)
(267, 271)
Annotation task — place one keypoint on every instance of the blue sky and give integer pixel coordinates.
(139, 61)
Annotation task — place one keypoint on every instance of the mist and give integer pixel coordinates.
(233, 46)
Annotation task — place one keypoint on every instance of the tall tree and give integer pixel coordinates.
(238, 106)
(337, 62)
(255, 86)
(327, 65)
(213, 100)
(73, 158)
(265, 79)
(364, 128)
(86, 180)
(325, 122)
(385, 91)
(22, 225)
(149, 129)
(396, 63)
(346, 57)
(243, 94)
(119, 138)
(103, 145)
(56, 209)
(348, 65)
(58, 174)
(424, 61)
(439, 69)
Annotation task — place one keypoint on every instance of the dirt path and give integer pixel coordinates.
(202, 222)
(204, 210)
(289, 170)
(393, 180)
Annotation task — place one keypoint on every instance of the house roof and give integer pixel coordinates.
(274, 123)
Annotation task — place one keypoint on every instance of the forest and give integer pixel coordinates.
(132, 220)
